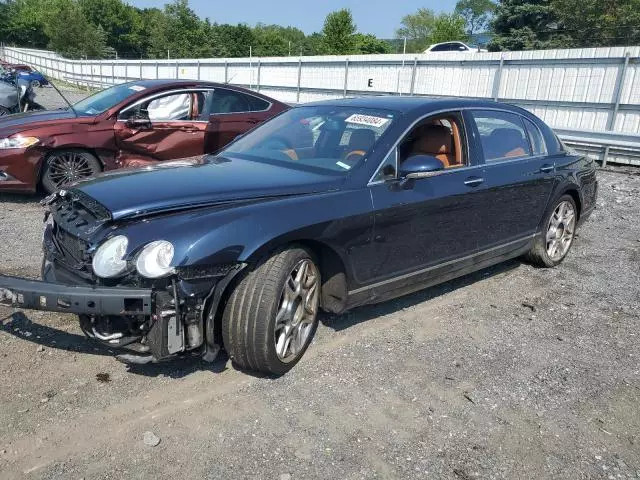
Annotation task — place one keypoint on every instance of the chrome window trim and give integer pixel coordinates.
(448, 110)
(193, 90)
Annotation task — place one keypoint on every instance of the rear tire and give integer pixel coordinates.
(553, 244)
(66, 166)
(272, 314)
(35, 84)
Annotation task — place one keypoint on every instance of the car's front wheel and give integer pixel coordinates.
(272, 314)
(66, 166)
(559, 227)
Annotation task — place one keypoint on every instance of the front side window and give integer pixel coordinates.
(171, 107)
(502, 134)
(329, 139)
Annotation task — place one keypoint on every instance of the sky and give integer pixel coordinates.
(380, 17)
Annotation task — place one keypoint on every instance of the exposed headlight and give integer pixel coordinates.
(17, 142)
(155, 259)
(108, 259)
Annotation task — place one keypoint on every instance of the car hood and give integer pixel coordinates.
(208, 181)
(30, 119)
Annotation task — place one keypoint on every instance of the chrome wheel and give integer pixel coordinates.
(67, 167)
(297, 312)
(560, 231)
(35, 83)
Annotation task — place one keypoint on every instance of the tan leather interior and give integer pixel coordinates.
(360, 142)
(457, 143)
(436, 141)
(195, 105)
(291, 153)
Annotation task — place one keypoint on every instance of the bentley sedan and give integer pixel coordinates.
(328, 206)
(132, 124)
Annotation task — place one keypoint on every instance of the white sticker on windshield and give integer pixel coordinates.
(137, 88)
(344, 165)
(368, 120)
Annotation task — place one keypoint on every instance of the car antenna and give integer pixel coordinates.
(65, 99)
(227, 82)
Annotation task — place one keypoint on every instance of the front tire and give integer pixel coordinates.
(552, 246)
(66, 166)
(272, 314)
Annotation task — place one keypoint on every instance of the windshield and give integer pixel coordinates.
(324, 138)
(105, 99)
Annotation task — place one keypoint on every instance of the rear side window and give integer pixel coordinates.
(537, 141)
(502, 134)
(221, 101)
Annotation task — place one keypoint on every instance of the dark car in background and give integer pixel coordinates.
(130, 124)
(327, 206)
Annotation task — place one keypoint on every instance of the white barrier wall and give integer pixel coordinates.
(595, 90)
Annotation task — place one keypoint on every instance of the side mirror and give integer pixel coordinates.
(420, 166)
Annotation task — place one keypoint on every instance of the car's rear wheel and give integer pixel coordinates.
(559, 227)
(35, 83)
(66, 166)
(272, 314)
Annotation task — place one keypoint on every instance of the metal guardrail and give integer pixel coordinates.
(604, 145)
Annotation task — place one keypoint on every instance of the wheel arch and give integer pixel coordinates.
(334, 290)
(574, 193)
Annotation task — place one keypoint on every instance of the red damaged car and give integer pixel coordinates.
(127, 125)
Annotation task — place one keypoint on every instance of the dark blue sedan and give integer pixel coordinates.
(327, 206)
(35, 78)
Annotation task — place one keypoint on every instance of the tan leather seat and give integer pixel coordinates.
(360, 142)
(436, 141)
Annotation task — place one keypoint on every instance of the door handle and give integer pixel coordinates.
(473, 181)
(547, 168)
(189, 128)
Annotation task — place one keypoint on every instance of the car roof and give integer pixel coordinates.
(413, 104)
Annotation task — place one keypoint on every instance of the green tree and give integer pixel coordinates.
(417, 28)
(527, 25)
(597, 23)
(231, 40)
(26, 22)
(121, 23)
(277, 41)
(476, 13)
(338, 33)
(71, 34)
(180, 32)
(447, 28)
(367, 44)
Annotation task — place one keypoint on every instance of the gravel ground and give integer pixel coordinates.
(50, 98)
(512, 372)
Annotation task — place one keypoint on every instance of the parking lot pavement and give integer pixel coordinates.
(512, 372)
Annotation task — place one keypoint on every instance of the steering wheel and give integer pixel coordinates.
(277, 142)
(354, 156)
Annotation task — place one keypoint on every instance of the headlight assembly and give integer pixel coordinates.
(17, 142)
(108, 260)
(155, 260)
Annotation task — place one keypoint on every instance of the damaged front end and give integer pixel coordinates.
(152, 319)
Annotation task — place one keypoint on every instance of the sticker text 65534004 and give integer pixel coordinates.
(368, 120)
